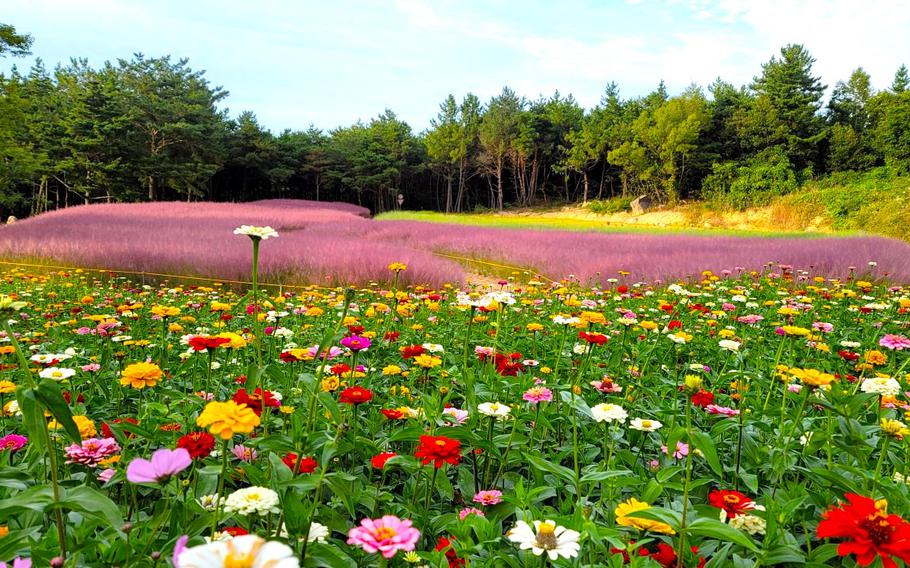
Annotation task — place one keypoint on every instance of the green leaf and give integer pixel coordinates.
(94, 503)
(560, 471)
(32, 418)
(713, 528)
(48, 393)
(323, 555)
(704, 444)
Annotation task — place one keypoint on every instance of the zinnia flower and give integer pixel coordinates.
(733, 503)
(355, 395)
(869, 532)
(625, 517)
(241, 551)
(141, 375)
(894, 342)
(545, 537)
(92, 451)
(224, 419)
(256, 233)
(606, 412)
(13, 442)
(356, 343)
(439, 450)
(386, 535)
(198, 444)
(163, 465)
(645, 425)
(488, 497)
(252, 500)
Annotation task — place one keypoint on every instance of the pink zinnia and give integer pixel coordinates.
(714, 409)
(488, 497)
(13, 442)
(463, 514)
(682, 450)
(386, 535)
(163, 465)
(895, 342)
(106, 475)
(822, 326)
(244, 453)
(356, 343)
(92, 451)
(535, 395)
(91, 367)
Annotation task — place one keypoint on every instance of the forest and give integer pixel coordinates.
(147, 129)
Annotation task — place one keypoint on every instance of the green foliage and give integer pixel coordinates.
(751, 184)
(608, 206)
(13, 43)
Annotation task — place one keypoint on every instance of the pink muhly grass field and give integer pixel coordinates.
(334, 243)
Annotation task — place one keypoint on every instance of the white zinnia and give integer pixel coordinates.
(247, 550)
(884, 386)
(644, 425)
(57, 373)
(252, 500)
(253, 232)
(606, 412)
(545, 536)
(729, 345)
(565, 320)
(494, 409)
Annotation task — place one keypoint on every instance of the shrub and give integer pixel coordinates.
(609, 206)
(755, 183)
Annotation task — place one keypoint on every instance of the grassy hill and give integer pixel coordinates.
(869, 203)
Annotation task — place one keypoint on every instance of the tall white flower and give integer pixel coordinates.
(248, 551)
(253, 232)
(252, 500)
(729, 345)
(606, 412)
(545, 537)
(884, 386)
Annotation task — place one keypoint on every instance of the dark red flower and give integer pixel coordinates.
(108, 433)
(509, 365)
(378, 461)
(848, 355)
(411, 351)
(675, 324)
(733, 502)
(445, 545)
(256, 400)
(198, 444)
(869, 532)
(392, 336)
(289, 357)
(355, 395)
(340, 369)
(439, 450)
(622, 289)
(304, 465)
(665, 555)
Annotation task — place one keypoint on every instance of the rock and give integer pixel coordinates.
(641, 204)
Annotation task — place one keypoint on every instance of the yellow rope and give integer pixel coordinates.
(244, 282)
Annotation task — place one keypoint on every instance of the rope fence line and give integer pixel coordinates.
(243, 282)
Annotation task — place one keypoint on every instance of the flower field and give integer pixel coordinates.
(754, 420)
(318, 241)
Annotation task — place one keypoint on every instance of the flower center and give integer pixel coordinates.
(385, 533)
(546, 536)
(731, 499)
(645, 423)
(57, 374)
(241, 561)
(440, 443)
(878, 528)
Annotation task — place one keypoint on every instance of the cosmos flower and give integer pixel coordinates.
(164, 464)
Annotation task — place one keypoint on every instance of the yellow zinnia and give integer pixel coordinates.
(625, 510)
(224, 419)
(813, 377)
(141, 375)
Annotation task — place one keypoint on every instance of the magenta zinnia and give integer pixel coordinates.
(386, 535)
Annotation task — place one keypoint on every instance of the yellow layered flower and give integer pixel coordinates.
(224, 419)
(624, 517)
(141, 375)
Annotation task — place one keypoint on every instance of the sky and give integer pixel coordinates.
(330, 63)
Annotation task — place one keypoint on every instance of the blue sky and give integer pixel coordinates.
(333, 62)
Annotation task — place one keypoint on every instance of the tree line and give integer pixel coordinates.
(155, 129)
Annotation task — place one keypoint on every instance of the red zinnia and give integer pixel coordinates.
(869, 531)
(108, 433)
(202, 342)
(355, 395)
(303, 465)
(445, 545)
(256, 400)
(703, 398)
(509, 365)
(439, 450)
(378, 461)
(340, 369)
(733, 502)
(665, 555)
(411, 351)
(675, 324)
(594, 338)
(198, 444)
(235, 531)
(393, 413)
